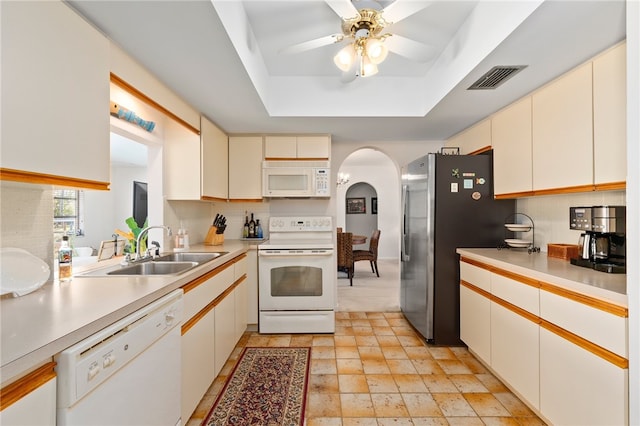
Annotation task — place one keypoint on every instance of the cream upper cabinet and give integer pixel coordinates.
(472, 139)
(302, 147)
(512, 149)
(181, 162)
(214, 164)
(55, 92)
(609, 116)
(563, 131)
(245, 167)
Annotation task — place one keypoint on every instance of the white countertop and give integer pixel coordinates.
(602, 285)
(36, 326)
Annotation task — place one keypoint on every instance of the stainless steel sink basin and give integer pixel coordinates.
(190, 257)
(154, 268)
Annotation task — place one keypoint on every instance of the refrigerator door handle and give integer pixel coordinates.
(404, 256)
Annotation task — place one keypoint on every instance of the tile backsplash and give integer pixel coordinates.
(26, 216)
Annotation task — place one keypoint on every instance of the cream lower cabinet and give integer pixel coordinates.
(31, 407)
(564, 353)
(210, 329)
(578, 387)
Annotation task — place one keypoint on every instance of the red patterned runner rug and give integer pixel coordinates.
(268, 386)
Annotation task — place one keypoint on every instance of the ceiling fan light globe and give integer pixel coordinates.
(368, 68)
(376, 51)
(344, 58)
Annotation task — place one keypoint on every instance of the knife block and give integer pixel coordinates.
(213, 239)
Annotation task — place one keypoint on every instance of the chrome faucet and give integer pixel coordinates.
(143, 232)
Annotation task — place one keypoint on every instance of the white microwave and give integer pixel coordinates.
(295, 179)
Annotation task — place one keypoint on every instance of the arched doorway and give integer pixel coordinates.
(361, 221)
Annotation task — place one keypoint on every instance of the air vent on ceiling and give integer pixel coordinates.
(496, 76)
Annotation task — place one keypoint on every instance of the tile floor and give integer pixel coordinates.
(376, 371)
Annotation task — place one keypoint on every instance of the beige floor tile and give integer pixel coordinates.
(323, 352)
(298, 340)
(379, 322)
(394, 315)
(362, 331)
(367, 340)
(342, 315)
(421, 405)
(375, 366)
(257, 340)
(363, 322)
(323, 341)
(344, 330)
(453, 405)
(279, 341)
(465, 421)
(324, 421)
(490, 382)
(403, 330)
(387, 340)
(381, 383)
(410, 383)
(468, 383)
(349, 366)
(359, 421)
(370, 352)
(383, 331)
(376, 315)
(450, 366)
(395, 421)
(530, 421)
(341, 341)
(358, 315)
(516, 407)
(394, 352)
(439, 383)
(356, 405)
(353, 383)
(410, 340)
(389, 405)
(323, 383)
(427, 366)
(429, 421)
(499, 421)
(323, 366)
(401, 366)
(418, 352)
(347, 352)
(474, 365)
(442, 353)
(486, 405)
(323, 405)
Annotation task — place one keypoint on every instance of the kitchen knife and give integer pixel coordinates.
(215, 221)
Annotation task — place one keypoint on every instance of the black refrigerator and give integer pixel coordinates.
(447, 203)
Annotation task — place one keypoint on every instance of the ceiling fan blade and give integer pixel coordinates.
(313, 44)
(410, 49)
(343, 8)
(400, 9)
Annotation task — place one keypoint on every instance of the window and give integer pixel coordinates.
(68, 209)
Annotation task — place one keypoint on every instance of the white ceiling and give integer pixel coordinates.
(224, 59)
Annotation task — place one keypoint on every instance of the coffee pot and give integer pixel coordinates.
(602, 244)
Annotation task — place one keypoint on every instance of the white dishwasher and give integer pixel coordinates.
(126, 374)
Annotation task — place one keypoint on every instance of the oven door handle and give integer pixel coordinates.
(293, 253)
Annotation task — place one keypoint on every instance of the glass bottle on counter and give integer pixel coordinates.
(65, 255)
(258, 229)
(245, 228)
(252, 227)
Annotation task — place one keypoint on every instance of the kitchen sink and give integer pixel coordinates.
(154, 268)
(190, 257)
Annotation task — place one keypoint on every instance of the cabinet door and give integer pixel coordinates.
(181, 161)
(515, 352)
(475, 322)
(36, 408)
(610, 116)
(579, 388)
(241, 309)
(215, 176)
(563, 132)
(252, 286)
(225, 335)
(245, 167)
(55, 92)
(279, 147)
(198, 363)
(511, 141)
(313, 147)
(472, 139)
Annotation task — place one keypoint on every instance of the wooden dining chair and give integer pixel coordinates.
(372, 254)
(345, 254)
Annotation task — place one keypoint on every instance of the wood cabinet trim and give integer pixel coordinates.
(592, 302)
(508, 274)
(599, 351)
(296, 159)
(611, 186)
(27, 384)
(481, 150)
(208, 198)
(205, 277)
(47, 179)
(144, 98)
(475, 289)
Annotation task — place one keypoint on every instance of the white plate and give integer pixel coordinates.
(21, 272)
(517, 243)
(517, 227)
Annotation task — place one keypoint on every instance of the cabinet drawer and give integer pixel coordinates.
(595, 325)
(475, 275)
(201, 295)
(515, 292)
(240, 267)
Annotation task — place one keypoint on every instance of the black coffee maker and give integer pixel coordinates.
(602, 244)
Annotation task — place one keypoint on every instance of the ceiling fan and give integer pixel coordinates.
(369, 42)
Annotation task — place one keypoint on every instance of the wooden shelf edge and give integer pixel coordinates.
(46, 179)
(27, 384)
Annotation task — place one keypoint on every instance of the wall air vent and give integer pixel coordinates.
(496, 76)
